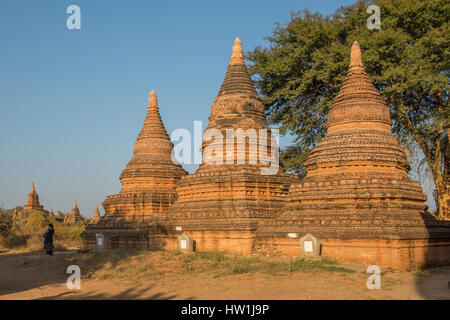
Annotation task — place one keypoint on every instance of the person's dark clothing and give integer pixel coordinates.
(48, 241)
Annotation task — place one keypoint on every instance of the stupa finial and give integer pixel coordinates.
(32, 188)
(237, 57)
(97, 212)
(355, 56)
(75, 204)
(153, 100)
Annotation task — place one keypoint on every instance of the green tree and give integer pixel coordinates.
(408, 59)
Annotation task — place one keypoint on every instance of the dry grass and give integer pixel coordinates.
(26, 233)
(137, 266)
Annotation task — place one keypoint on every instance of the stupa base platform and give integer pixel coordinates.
(399, 255)
(419, 250)
(402, 242)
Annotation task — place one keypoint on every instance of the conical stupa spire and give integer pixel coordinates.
(152, 155)
(237, 79)
(355, 56)
(75, 204)
(96, 217)
(97, 213)
(153, 137)
(358, 128)
(33, 190)
(358, 100)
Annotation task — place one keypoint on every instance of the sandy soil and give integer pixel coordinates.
(33, 275)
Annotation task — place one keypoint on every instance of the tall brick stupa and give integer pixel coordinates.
(357, 196)
(148, 181)
(148, 186)
(230, 193)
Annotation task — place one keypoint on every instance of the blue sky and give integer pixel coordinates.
(73, 101)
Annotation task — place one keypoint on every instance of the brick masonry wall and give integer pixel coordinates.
(399, 255)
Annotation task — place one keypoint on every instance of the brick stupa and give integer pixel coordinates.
(33, 201)
(75, 216)
(148, 186)
(96, 218)
(148, 181)
(357, 196)
(223, 202)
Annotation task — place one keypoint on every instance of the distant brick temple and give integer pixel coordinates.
(75, 216)
(356, 199)
(96, 218)
(33, 201)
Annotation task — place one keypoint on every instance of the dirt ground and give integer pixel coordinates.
(163, 275)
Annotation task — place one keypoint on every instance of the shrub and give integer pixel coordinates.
(6, 223)
(28, 230)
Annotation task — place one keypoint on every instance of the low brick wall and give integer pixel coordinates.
(397, 254)
(401, 255)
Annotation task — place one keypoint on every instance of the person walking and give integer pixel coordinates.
(48, 239)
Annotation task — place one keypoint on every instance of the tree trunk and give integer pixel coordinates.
(440, 169)
(442, 189)
(438, 160)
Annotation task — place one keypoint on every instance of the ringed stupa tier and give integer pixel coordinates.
(33, 201)
(357, 196)
(150, 177)
(222, 203)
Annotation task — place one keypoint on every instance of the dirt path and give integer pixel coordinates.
(35, 276)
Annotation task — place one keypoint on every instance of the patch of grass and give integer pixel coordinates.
(216, 256)
(239, 268)
(241, 264)
(426, 273)
(220, 263)
(105, 276)
(120, 269)
(273, 267)
(324, 264)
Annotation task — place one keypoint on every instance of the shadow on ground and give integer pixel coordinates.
(31, 270)
(128, 294)
(22, 272)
